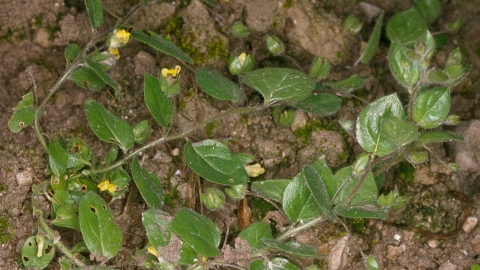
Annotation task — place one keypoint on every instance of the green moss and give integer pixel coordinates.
(209, 128)
(217, 48)
(3, 187)
(405, 172)
(5, 231)
(358, 225)
(288, 4)
(38, 20)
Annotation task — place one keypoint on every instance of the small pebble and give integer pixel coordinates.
(397, 237)
(433, 243)
(24, 178)
(470, 224)
(448, 266)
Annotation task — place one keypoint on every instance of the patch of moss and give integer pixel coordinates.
(288, 4)
(209, 128)
(358, 225)
(5, 233)
(217, 48)
(3, 187)
(405, 172)
(38, 20)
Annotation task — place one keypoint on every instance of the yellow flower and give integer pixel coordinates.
(114, 51)
(241, 58)
(172, 72)
(152, 250)
(123, 35)
(103, 185)
(112, 188)
(254, 170)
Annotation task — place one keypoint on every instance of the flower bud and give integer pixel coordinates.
(213, 199)
(275, 45)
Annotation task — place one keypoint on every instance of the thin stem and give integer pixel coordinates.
(59, 244)
(300, 228)
(174, 137)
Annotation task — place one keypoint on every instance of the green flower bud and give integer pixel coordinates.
(417, 157)
(420, 47)
(240, 30)
(453, 120)
(236, 192)
(241, 64)
(386, 201)
(361, 163)
(142, 131)
(275, 45)
(213, 199)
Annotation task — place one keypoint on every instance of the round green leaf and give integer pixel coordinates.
(366, 193)
(298, 202)
(23, 115)
(254, 234)
(218, 86)
(406, 27)
(157, 225)
(30, 253)
(272, 189)
(405, 71)
(107, 126)
(197, 231)
(148, 184)
(101, 234)
(323, 104)
(71, 52)
(369, 125)
(159, 105)
(86, 78)
(280, 84)
(275, 264)
(213, 161)
(429, 9)
(432, 107)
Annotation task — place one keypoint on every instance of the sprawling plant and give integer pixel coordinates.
(388, 130)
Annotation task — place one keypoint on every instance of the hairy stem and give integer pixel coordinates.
(300, 228)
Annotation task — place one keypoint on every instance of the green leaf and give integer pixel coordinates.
(437, 137)
(87, 78)
(240, 30)
(254, 234)
(406, 27)
(157, 226)
(107, 126)
(431, 107)
(100, 72)
(159, 43)
(159, 105)
(363, 211)
(314, 180)
(369, 125)
(347, 181)
(197, 231)
(57, 157)
(352, 24)
(218, 86)
(429, 9)
(473, 267)
(405, 71)
(275, 264)
(280, 84)
(399, 131)
(67, 217)
(350, 84)
(322, 104)
(95, 12)
(272, 189)
(435, 76)
(298, 201)
(372, 44)
(293, 248)
(320, 68)
(30, 252)
(71, 52)
(101, 234)
(148, 185)
(213, 161)
(23, 115)
(187, 254)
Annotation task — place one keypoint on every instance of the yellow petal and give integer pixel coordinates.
(123, 35)
(241, 58)
(254, 170)
(114, 51)
(112, 188)
(103, 185)
(153, 250)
